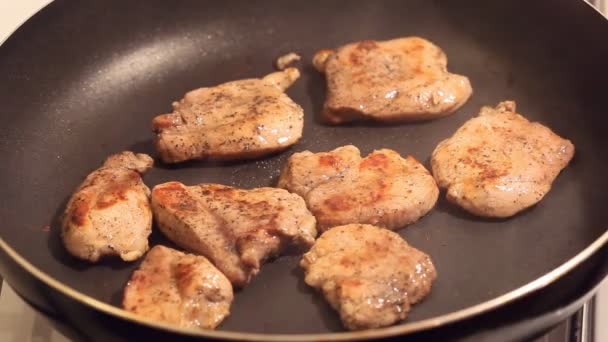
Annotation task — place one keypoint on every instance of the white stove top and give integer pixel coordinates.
(20, 323)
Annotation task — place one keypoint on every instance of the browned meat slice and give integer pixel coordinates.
(340, 187)
(370, 275)
(178, 288)
(109, 214)
(400, 79)
(240, 119)
(499, 163)
(236, 229)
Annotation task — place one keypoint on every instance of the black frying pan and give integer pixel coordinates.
(82, 80)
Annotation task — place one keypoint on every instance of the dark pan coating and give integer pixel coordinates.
(65, 109)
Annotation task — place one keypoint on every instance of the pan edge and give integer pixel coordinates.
(402, 329)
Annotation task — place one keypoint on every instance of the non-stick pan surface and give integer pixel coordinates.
(82, 80)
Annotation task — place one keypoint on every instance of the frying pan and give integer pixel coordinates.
(82, 80)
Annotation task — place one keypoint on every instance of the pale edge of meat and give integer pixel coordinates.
(284, 61)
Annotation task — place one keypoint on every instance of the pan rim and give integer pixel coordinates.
(395, 330)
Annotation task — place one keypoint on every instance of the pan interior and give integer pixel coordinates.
(85, 79)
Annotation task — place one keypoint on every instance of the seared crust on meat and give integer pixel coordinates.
(236, 229)
(499, 163)
(401, 79)
(179, 288)
(234, 120)
(370, 275)
(109, 213)
(340, 187)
